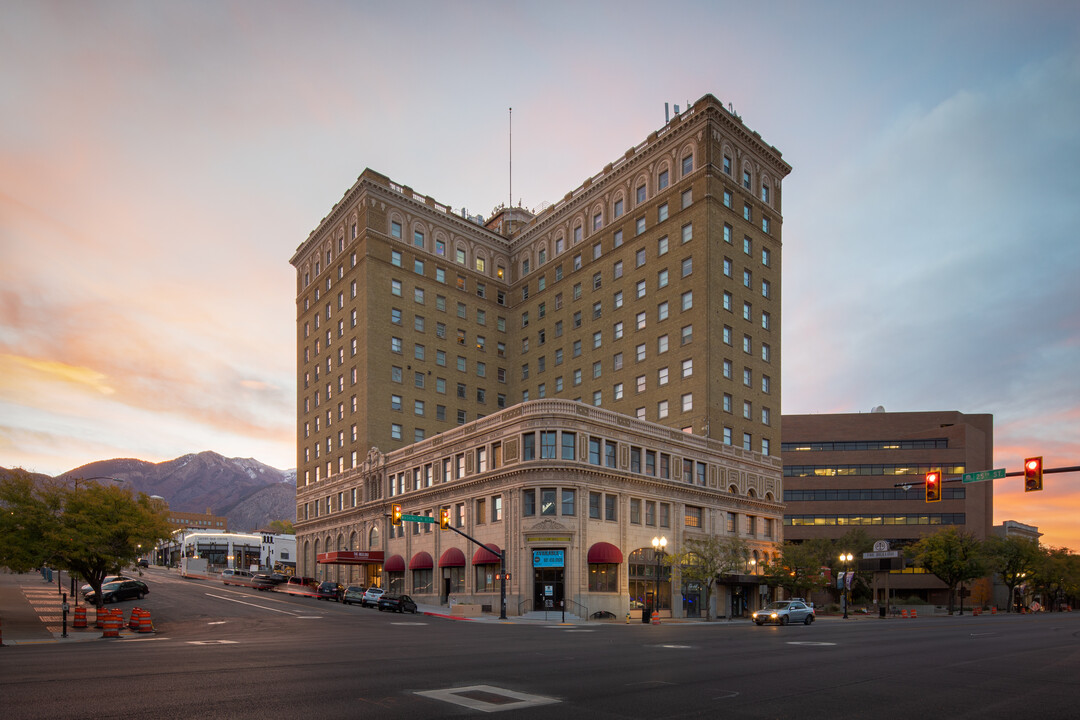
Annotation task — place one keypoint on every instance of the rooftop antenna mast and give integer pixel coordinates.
(511, 169)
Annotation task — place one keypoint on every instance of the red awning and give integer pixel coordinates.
(483, 556)
(395, 563)
(350, 557)
(605, 553)
(421, 561)
(452, 558)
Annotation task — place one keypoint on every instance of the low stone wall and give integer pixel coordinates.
(466, 610)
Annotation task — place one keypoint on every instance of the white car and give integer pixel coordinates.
(784, 612)
(371, 597)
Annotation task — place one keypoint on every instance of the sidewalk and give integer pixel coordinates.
(31, 613)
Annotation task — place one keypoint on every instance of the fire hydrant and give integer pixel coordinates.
(627, 618)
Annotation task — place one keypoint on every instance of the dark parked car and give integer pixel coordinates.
(108, 579)
(330, 591)
(353, 594)
(117, 591)
(397, 603)
(143, 562)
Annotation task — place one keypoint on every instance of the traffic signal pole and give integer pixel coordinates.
(1014, 473)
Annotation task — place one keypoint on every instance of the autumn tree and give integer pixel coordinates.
(281, 527)
(704, 559)
(91, 530)
(1014, 559)
(799, 568)
(954, 556)
(1057, 577)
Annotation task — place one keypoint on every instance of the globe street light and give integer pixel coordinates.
(846, 558)
(658, 543)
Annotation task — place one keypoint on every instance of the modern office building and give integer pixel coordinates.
(845, 471)
(635, 324)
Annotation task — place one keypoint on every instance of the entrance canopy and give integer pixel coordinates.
(350, 557)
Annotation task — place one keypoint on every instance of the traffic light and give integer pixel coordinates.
(444, 518)
(395, 514)
(1033, 474)
(933, 486)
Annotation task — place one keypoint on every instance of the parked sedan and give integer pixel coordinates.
(330, 590)
(371, 597)
(117, 591)
(784, 612)
(108, 579)
(353, 594)
(397, 603)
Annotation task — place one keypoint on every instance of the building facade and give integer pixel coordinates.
(845, 471)
(652, 291)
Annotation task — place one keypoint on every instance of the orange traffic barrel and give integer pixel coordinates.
(145, 625)
(99, 616)
(111, 627)
(133, 621)
(80, 617)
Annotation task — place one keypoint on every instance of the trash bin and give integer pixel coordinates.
(646, 616)
(881, 611)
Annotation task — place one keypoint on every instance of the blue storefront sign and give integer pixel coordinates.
(548, 558)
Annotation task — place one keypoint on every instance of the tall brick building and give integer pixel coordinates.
(648, 299)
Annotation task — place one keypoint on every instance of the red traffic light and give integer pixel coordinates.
(1033, 472)
(395, 514)
(444, 518)
(932, 483)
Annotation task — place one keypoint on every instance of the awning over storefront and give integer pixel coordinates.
(395, 563)
(421, 561)
(350, 557)
(452, 558)
(605, 553)
(484, 556)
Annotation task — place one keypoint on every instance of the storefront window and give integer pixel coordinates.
(603, 577)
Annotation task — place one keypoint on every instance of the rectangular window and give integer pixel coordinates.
(528, 503)
(693, 516)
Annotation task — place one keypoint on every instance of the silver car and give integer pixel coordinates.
(784, 612)
(371, 597)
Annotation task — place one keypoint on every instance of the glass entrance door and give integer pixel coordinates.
(547, 588)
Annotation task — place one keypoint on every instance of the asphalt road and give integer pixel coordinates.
(232, 653)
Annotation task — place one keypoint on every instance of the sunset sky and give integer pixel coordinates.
(161, 161)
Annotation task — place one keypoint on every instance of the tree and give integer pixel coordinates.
(25, 514)
(799, 569)
(1014, 559)
(1057, 577)
(703, 559)
(281, 527)
(952, 555)
(91, 530)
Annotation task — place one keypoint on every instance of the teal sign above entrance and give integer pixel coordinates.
(548, 558)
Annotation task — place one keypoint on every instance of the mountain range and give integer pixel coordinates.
(247, 492)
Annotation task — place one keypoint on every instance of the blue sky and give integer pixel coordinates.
(161, 161)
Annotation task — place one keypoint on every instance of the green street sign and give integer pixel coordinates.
(994, 474)
(418, 518)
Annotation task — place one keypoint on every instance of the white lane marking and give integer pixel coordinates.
(818, 644)
(261, 607)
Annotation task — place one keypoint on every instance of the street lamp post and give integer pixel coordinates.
(846, 558)
(659, 544)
